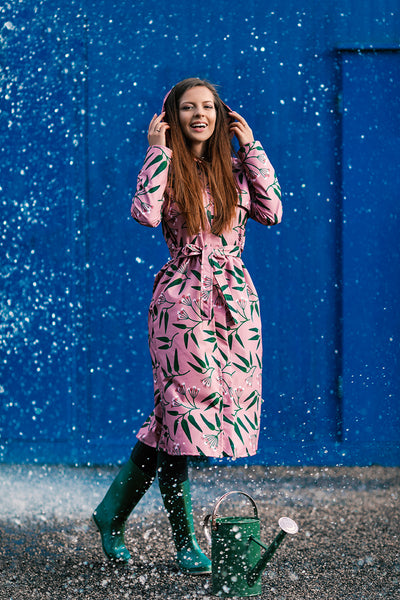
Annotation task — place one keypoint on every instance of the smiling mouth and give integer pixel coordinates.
(199, 126)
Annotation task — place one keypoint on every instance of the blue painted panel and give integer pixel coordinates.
(82, 81)
(371, 253)
(40, 162)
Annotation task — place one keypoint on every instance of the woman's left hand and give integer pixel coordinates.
(240, 128)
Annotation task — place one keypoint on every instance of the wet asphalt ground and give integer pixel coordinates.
(347, 548)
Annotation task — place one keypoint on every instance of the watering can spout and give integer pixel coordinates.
(287, 526)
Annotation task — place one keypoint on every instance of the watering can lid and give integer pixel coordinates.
(288, 525)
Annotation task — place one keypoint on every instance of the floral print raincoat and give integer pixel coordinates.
(204, 317)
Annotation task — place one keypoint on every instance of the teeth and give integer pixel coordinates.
(199, 125)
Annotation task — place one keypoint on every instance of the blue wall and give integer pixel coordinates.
(317, 83)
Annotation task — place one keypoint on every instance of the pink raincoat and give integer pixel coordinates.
(204, 318)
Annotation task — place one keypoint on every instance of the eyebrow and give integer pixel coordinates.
(202, 102)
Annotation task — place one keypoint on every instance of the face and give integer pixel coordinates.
(197, 116)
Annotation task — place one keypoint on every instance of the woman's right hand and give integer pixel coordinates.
(157, 131)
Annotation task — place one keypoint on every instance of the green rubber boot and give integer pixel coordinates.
(111, 514)
(178, 504)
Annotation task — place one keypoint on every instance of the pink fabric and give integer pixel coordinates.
(204, 318)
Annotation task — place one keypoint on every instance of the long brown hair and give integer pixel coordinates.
(188, 177)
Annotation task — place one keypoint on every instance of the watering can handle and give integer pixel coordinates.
(220, 500)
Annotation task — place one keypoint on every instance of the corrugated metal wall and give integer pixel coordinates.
(80, 83)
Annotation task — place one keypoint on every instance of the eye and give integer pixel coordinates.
(186, 107)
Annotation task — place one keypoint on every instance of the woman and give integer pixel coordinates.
(204, 319)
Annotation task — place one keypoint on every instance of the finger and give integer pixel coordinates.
(151, 124)
(235, 114)
(159, 123)
(238, 128)
(161, 128)
(239, 117)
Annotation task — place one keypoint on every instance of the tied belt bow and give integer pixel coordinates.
(213, 262)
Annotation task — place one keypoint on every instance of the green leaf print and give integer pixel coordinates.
(242, 425)
(241, 367)
(194, 339)
(156, 160)
(186, 429)
(211, 396)
(208, 423)
(238, 432)
(239, 339)
(199, 360)
(227, 420)
(176, 361)
(174, 282)
(249, 422)
(160, 168)
(239, 271)
(253, 402)
(196, 274)
(219, 334)
(182, 286)
(235, 275)
(217, 362)
(224, 356)
(244, 360)
(193, 421)
(153, 189)
(168, 384)
(195, 367)
(213, 403)
(230, 339)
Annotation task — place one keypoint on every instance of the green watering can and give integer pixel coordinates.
(236, 558)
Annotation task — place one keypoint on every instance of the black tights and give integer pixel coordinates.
(171, 469)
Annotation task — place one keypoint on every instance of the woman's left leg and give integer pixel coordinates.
(175, 490)
(131, 483)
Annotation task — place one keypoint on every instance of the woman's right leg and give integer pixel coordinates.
(175, 490)
(131, 483)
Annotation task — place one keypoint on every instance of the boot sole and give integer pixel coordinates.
(194, 572)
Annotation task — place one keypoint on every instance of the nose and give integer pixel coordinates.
(199, 111)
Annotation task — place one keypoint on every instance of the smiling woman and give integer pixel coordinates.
(204, 317)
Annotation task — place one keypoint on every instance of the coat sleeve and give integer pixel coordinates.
(265, 191)
(147, 203)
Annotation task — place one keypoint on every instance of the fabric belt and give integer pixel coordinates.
(213, 261)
